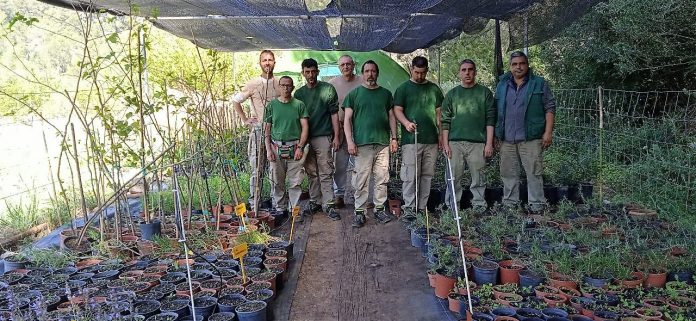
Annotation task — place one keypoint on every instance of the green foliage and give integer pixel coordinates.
(631, 44)
(21, 216)
(253, 237)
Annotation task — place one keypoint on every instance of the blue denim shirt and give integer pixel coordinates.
(515, 109)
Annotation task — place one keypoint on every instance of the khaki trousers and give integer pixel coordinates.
(472, 154)
(529, 154)
(291, 170)
(372, 162)
(427, 157)
(254, 153)
(320, 168)
(342, 175)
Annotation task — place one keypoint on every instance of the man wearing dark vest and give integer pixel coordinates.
(526, 110)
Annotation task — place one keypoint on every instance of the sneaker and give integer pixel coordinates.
(359, 219)
(312, 208)
(381, 215)
(331, 211)
(408, 215)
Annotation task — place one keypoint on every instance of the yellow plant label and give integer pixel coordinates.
(240, 250)
(295, 211)
(240, 209)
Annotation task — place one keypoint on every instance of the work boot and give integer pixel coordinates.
(408, 215)
(382, 216)
(331, 212)
(359, 219)
(312, 208)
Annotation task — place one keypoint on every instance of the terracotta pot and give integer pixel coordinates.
(87, 263)
(543, 290)
(655, 304)
(280, 262)
(554, 300)
(508, 298)
(655, 280)
(569, 292)
(443, 285)
(472, 287)
(394, 203)
(648, 314)
(453, 302)
(558, 280)
(635, 282)
(228, 208)
(431, 279)
(510, 271)
(183, 289)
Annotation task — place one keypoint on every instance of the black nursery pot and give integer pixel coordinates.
(149, 230)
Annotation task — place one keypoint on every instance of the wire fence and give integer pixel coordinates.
(634, 146)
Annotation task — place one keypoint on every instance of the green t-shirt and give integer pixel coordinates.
(419, 102)
(321, 102)
(370, 115)
(285, 119)
(466, 112)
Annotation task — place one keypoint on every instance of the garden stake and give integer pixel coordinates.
(295, 212)
(427, 226)
(459, 231)
(259, 169)
(415, 142)
(182, 237)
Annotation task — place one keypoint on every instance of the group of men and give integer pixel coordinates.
(346, 129)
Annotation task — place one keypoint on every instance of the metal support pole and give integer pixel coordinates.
(600, 106)
(182, 237)
(415, 142)
(459, 231)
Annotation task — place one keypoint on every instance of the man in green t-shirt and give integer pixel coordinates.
(370, 128)
(287, 129)
(468, 120)
(321, 101)
(417, 107)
